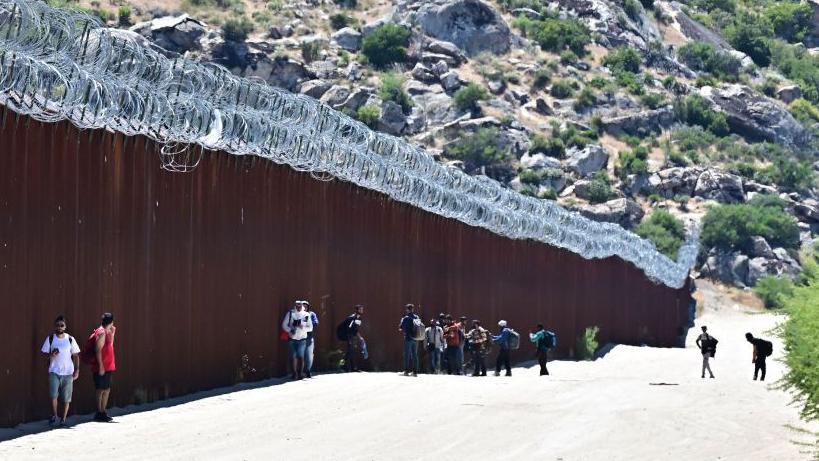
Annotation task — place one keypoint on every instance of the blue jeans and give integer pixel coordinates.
(459, 365)
(452, 360)
(410, 355)
(297, 348)
(435, 360)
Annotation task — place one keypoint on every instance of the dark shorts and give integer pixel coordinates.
(103, 382)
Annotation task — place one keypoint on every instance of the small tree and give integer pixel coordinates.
(386, 45)
(467, 98)
(392, 89)
(587, 344)
(124, 15)
(237, 30)
(368, 114)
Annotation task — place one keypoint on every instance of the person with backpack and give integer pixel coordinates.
(349, 332)
(708, 347)
(296, 323)
(452, 336)
(63, 368)
(762, 349)
(503, 358)
(434, 345)
(310, 341)
(544, 340)
(98, 352)
(408, 325)
(477, 338)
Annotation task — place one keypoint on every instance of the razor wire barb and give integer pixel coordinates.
(63, 65)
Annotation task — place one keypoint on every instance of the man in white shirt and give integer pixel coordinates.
(63, 368)
(297, 323)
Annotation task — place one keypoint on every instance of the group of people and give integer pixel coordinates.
(64, 357)
(446, 339)
(762, 349)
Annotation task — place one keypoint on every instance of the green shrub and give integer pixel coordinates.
(340, 21)
(804, 111)
(467, 98)
(311, 51)
(695, 110)
(587, 344)
(548, 194)
(124, 15)
(568, 57)
(632, 9)
(586, 99)
(541, 78)
(790, 21)
(600, 188)
(773, 291)
(478, 149)
(555, 34)
(712, 5)
(553, 147)
(562, 89)
(705, 57)
(653, 100)
(787, 172)
(386, 45)
(237, 30)
(666, 232)
(633, 162)
(392, 89)
(368, 114)
(732, 226)
(630, 82)
(623, 59)
(599, 82)
(750, 37)
(800, 66)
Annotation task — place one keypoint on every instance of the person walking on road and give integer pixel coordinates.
(708, 347)
(63, 368)
(762, 349)
(407, 326)
(502, 340)
(541, 342)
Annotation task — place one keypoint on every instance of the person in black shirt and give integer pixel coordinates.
(354, 338)
(706, 344)
(760, 345)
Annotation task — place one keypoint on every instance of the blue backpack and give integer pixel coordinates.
(550, 339)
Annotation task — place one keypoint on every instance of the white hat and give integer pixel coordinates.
(502, 323)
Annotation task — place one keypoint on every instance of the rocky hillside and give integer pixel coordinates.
(655, 115)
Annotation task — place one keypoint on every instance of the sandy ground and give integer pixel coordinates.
(612, 409)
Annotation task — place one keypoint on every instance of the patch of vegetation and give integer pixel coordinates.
(632, 9)
(749, 35)
(600, 190)
(773, 291)
(541, 78)
(368, 114)
(666, 232)
(340, 20)
(630, 82)
(800, 66)
(804, 111)
(237, 29)
(586, 99)
(730, 227)
(555, 34)
(562, 89)
(632, 162)
(790, 21)
(586, 344)
(311, 51)
(392, 89)
(653, 100)
(706, 58)
(124, 16)
(695, 110)
(467, 98)
(623, 59)
(553, 147)
(386, 45)
(478, 149)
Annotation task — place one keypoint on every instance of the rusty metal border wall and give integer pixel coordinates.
(199, 268)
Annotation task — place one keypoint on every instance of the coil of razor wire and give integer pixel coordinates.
(62, 65)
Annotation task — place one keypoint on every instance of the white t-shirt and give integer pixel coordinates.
(62, 363)
(298, 321)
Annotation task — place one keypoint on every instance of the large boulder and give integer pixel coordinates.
(623, 211)
(538, 161)
(639, 123)
(720, 186)
(808, 209)
(437, 107)
(173, 33)
(756, 117)
(587, 161)
(472, 25)
(760, 248)
(392, 118)
(446, 49)
(674, 181)
(729, 267)
(348, 39)
(246, 60)
(780, 265)
(315, 88)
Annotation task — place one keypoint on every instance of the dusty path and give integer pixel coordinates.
(605, 410)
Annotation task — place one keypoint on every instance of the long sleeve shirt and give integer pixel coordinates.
(502, 338)
(297, 324)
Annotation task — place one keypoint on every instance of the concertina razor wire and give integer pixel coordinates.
(63, 65)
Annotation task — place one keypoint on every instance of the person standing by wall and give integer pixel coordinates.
(100, 347)
(462, 340)
(310, 341)
(452, 336)
(407, 327)
(434, 342)
(503, 359)
(349, 331)
(477, 338)
(63, 368)
(296, 323)
(539, 338)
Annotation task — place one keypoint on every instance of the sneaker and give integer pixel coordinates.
(406, 373)
(63, 423)
(414, 374)
(712, 376)
(483, 374)
(52, 421)
(308, 375)
(508, 374)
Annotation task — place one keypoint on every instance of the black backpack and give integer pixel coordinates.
(764, 348)
(343, 330)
